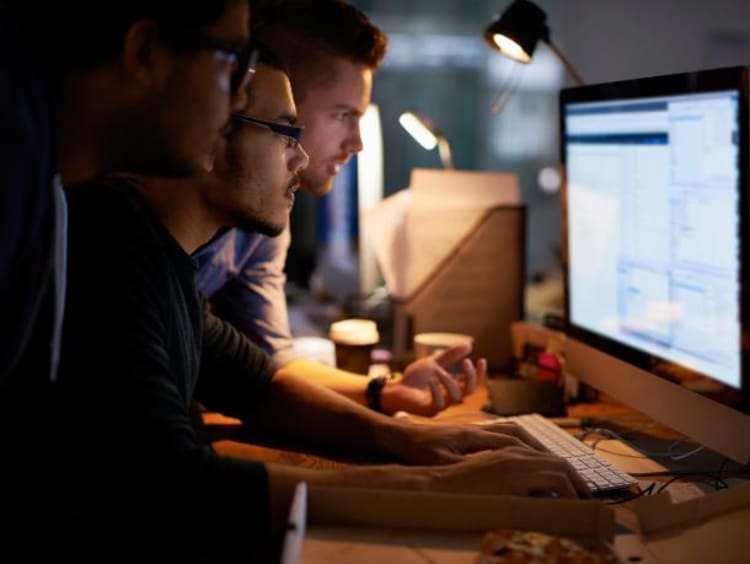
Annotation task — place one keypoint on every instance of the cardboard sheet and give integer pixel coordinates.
(358, 525)
(712, 528)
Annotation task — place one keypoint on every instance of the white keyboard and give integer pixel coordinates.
(599, 474)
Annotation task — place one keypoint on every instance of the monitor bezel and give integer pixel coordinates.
(700, 81)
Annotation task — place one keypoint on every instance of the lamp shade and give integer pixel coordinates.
(426, 133)
(421, 130)
(517, 30)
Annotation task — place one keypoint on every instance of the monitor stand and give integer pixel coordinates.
(516, 396)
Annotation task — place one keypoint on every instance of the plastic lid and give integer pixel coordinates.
(354, 332)
(442, 339)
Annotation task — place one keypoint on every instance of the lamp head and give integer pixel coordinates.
(427, 134)
(517, 30)
(420, 128)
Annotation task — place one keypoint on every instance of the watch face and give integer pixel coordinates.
(374, 392)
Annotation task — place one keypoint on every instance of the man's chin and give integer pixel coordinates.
(317, 187)
(264, 227)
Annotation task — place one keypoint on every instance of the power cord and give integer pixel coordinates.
(608, 433)
(507, 91)
(640, 493)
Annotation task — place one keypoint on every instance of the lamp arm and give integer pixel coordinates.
(444, 148)
(566, 63)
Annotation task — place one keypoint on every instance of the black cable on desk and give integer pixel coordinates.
(640, 493)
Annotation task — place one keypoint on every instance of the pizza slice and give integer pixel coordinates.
(510, 546)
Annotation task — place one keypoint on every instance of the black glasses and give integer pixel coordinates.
(242, 59)
(292, 133)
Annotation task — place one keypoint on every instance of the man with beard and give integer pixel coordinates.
(332, 51)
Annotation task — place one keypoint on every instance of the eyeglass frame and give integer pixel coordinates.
(292, 132)
(244, 58)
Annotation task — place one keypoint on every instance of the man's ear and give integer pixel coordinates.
(146, 60)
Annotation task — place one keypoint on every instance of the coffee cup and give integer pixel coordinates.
(354, 340)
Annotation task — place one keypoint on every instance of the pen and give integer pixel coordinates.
(295, 529)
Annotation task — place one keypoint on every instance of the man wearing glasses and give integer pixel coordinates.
(141, 346)
(332, 51)
(85, 88)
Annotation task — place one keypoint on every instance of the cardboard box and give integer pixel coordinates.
(477, 290)
(363, 526)
(712, 528)
(452, 251)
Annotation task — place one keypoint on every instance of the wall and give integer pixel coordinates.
(620, 39)
(605, 40)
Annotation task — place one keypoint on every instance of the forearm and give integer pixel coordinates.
(515, 470)
(308, 412)
(349, 384)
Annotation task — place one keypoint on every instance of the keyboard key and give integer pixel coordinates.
(597, 472)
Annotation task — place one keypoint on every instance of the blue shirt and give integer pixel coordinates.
(242, 274)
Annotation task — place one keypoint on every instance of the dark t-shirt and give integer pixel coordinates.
(126, 465)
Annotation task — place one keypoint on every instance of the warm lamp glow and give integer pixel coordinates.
(511, 49)
(518, 29)
(418, 130)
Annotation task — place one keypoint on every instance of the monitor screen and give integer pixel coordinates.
(655, 226)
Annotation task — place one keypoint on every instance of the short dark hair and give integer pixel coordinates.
(340, 27)
(268, 57)
(89, 33)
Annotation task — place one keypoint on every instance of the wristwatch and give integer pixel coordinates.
(374, 392)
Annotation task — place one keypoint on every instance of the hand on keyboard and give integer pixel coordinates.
(514, 429)
(513, 471)
(599, 474)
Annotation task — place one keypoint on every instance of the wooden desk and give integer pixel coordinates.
(470, 410)
(229, 440)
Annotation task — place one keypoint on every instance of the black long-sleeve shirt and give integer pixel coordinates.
(27, 166)
(125, 464)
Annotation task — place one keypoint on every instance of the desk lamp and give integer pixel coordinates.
(428, 135)
(516, 31)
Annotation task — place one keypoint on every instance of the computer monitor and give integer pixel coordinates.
(656, 248)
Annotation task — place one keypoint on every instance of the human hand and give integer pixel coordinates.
(427, 444)
(511, 471)
(427, 387)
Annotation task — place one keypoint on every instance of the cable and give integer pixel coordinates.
(507, 91)
(684, 455)
(690, 475)
(718, 475)
(640, 493)
(644, 453)
(718, 483)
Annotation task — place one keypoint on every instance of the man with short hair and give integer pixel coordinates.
(121, 462)
(332, 51)
(89, 87)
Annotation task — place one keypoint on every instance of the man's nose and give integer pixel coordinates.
(300, 161)
(353, 142)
